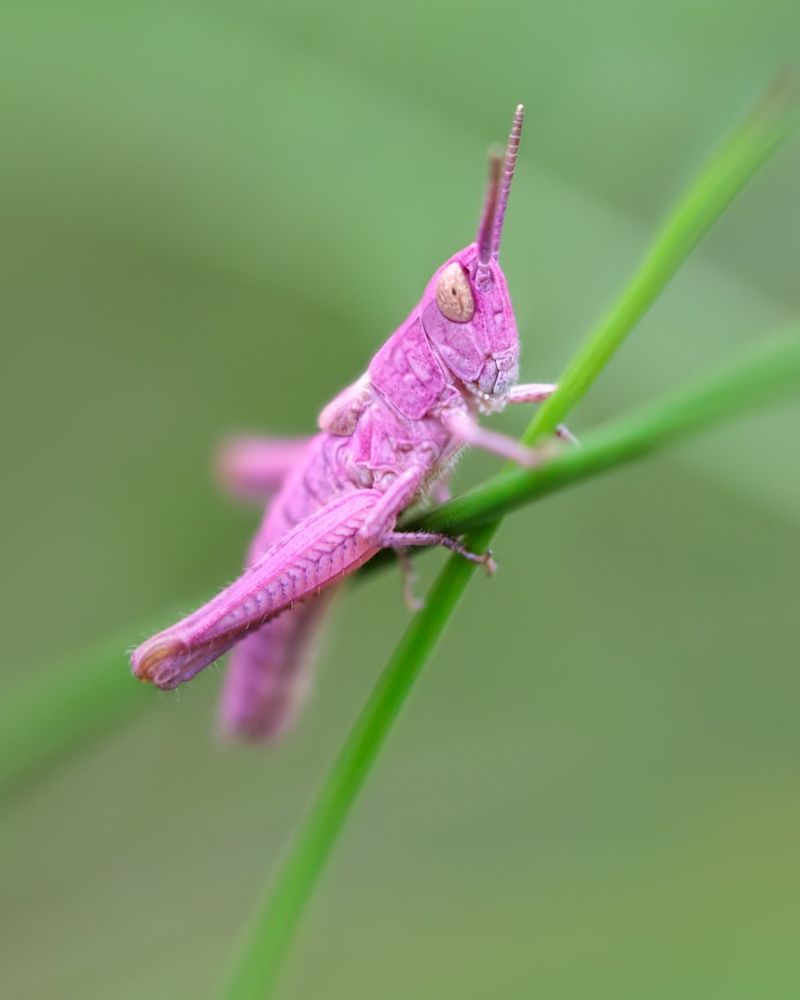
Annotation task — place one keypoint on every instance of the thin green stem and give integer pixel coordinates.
(724, 176)
(269, 938)
(279, 913)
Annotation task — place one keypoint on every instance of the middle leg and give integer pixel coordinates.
(379, 527)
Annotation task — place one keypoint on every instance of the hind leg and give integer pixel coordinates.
(317, 552)
(254, 468)
(269, 674)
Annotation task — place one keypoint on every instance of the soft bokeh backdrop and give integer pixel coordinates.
(212, 214)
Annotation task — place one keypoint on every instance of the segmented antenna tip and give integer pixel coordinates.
(509, 164)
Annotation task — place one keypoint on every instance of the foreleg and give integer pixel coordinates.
(254, 468)
(466, 429)
(532, 392)
(538, 392)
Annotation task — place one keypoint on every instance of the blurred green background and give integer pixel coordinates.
(212, 215)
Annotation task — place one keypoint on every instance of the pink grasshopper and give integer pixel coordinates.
(385, 442)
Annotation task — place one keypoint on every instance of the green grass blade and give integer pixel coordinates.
(724, 176)
(262, 958)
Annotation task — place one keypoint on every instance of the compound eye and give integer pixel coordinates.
(453, 294)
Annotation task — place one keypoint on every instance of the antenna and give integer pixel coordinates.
(485, 238)
(508, 176)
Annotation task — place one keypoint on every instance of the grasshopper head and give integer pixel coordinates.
(466, 310)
